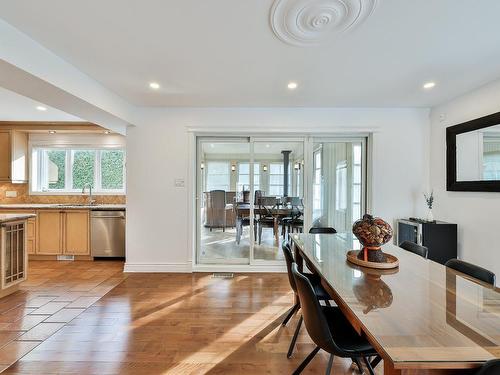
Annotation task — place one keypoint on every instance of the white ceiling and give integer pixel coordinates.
(224, 53)
(15, 107)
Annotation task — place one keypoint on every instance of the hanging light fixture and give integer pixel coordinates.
(264, 168)
(233, 167)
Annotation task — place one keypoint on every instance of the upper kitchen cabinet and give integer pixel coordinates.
(5, 156)
(13, 156)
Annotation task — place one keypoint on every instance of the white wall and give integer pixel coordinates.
(158, 152)
(475, 213)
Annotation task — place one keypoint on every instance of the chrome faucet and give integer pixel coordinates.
(91, 200)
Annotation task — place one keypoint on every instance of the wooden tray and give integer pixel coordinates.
(392, 261)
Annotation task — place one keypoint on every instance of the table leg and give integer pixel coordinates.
(276, 234)
(300, 264)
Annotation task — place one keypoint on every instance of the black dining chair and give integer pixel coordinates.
(243, 221)
(472, 270)
(490, 368)
(415, 248)
(319, 291)
(295, 220)
(265, 217)
(330, 330)
(322, 230)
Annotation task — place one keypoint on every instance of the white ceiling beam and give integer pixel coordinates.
(28, 68)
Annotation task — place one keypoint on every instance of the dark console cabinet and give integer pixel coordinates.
(439, 237)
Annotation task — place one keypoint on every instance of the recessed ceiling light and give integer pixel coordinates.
(292, 85)
(268, 145)
(107, 132)
(429, 85)
(154, 85)
(52, 132)
(41, 108)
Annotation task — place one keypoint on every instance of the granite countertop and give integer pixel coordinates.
(66, 206)
(5, 218)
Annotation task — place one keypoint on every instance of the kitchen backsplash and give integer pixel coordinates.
(23, 196)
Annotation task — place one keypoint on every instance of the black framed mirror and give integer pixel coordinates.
(473, 155)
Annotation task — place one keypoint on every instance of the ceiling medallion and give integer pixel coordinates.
(308, 22)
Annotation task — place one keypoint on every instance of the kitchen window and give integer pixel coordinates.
(69, 170)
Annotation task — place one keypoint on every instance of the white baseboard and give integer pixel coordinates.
(240, 268)
(189, 268)
(158, 267)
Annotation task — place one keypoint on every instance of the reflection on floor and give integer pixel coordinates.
(54, 294)
(221, 247)
(167, 324)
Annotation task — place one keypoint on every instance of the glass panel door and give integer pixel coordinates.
(278, 195)
(223, 191)
(253, 192)
(338, 183)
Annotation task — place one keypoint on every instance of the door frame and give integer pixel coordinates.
(304, 135)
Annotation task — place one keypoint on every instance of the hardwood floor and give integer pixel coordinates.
(151, 324)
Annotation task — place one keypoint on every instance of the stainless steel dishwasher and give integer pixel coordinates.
(108, 233)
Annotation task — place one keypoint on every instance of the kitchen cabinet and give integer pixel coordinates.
(49, 232)
(30, 228)
(13, 156)
(63, 232)
(5, 155)
(31, 236)
(76, 232)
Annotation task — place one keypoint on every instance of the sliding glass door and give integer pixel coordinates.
(338, 183)
(223, 189)
(253, 192)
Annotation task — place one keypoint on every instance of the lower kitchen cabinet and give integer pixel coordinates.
(76, 233)
(63, 232)
(31, 236)
(57, 232)
(49, 232)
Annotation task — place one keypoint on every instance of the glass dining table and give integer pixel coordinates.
(421, 317)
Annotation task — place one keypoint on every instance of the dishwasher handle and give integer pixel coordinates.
(109, 217)
(108, 214)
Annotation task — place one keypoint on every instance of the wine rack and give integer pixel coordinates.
(13, 254)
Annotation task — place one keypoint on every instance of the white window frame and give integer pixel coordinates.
(270, 185)
(341, 186)
(317, 200)
(256, 169)
(38, 173)
(357, 200)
